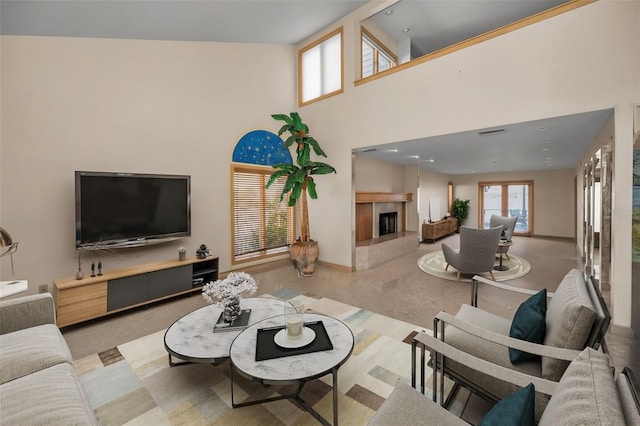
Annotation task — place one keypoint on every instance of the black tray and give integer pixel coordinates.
(266, 347)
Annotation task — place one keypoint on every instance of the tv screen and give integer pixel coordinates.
(129, 209)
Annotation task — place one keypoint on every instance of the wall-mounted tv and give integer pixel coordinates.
(130, 209)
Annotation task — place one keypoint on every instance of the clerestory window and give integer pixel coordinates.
(375, 56)
(320, 68)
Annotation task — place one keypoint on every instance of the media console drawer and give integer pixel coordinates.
(433, 231)
(78, 304)
(94, 297)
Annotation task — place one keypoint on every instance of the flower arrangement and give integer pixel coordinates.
(235, 285)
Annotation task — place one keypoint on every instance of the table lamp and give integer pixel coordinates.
(7, 246)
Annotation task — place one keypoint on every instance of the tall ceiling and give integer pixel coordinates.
(432, 24)
(242, 21)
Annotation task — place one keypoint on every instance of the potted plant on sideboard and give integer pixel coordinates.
(304, 251)
(460, 210)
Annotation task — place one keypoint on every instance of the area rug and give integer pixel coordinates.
(433, 264)
(133, 384)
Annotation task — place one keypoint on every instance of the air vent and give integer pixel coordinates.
(370, 150)
(491, 132)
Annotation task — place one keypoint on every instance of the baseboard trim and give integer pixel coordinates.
(622, 331)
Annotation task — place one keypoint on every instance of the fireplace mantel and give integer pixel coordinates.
(383, 197)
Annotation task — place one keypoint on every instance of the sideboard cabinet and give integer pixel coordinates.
(434, 230)
(114, 291)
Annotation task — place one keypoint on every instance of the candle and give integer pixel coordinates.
(294, 327)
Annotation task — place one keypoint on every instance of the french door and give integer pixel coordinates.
(509, 199)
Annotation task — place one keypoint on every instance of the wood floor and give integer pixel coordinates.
(398, 289)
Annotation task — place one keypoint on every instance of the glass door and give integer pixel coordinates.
(509, 199)
(518, 206)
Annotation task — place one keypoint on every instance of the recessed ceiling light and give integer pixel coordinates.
(405, 30)
(388, 12)
(545, 149)
(414, 156)
(548, 158)
(543, 129)
(391, 150)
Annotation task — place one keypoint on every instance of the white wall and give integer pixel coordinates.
(133, 106)
(584, 60)
(378, 176)
(553, 198)
(433, 185)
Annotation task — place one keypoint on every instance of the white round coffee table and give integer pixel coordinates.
(293, 368)
(191, 338)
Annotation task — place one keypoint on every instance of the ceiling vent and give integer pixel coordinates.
(491, 132)
(370, 150)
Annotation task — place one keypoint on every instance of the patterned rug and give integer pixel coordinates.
(133, 384)
(433, 264)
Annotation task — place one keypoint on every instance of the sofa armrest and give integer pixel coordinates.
(512, 376)
(27, 311)
(510, 342)
(479, 279)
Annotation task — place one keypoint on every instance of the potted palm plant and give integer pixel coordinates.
(460, 210)
(304, 251)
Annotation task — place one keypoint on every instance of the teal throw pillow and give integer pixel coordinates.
(529, 324)
(517, 409)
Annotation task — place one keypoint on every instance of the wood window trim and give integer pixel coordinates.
(364, 32)
(321, 40)
(550, 13)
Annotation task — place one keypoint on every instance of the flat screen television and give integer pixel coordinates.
(130, 209)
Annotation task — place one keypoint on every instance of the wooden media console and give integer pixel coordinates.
(119, 290)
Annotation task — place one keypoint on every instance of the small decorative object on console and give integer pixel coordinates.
(79, 274)
(182, 253)
(202, 252)
(227, 293)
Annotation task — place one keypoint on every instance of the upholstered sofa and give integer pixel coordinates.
(587, 394)
(38, 384)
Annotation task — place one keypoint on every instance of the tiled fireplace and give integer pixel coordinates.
(381, 234)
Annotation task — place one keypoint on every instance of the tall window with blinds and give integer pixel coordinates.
(262, 225)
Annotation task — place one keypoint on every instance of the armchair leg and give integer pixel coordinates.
(507, 254)
(446, 268)
(458, 277)
(492, 277)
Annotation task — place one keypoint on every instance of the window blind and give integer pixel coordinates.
(261, 223)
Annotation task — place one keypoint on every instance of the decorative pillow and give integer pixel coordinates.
(529, 324)
(570, 316)
(517, 409)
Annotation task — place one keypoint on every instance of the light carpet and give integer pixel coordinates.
(133, 384)
(433, 264)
